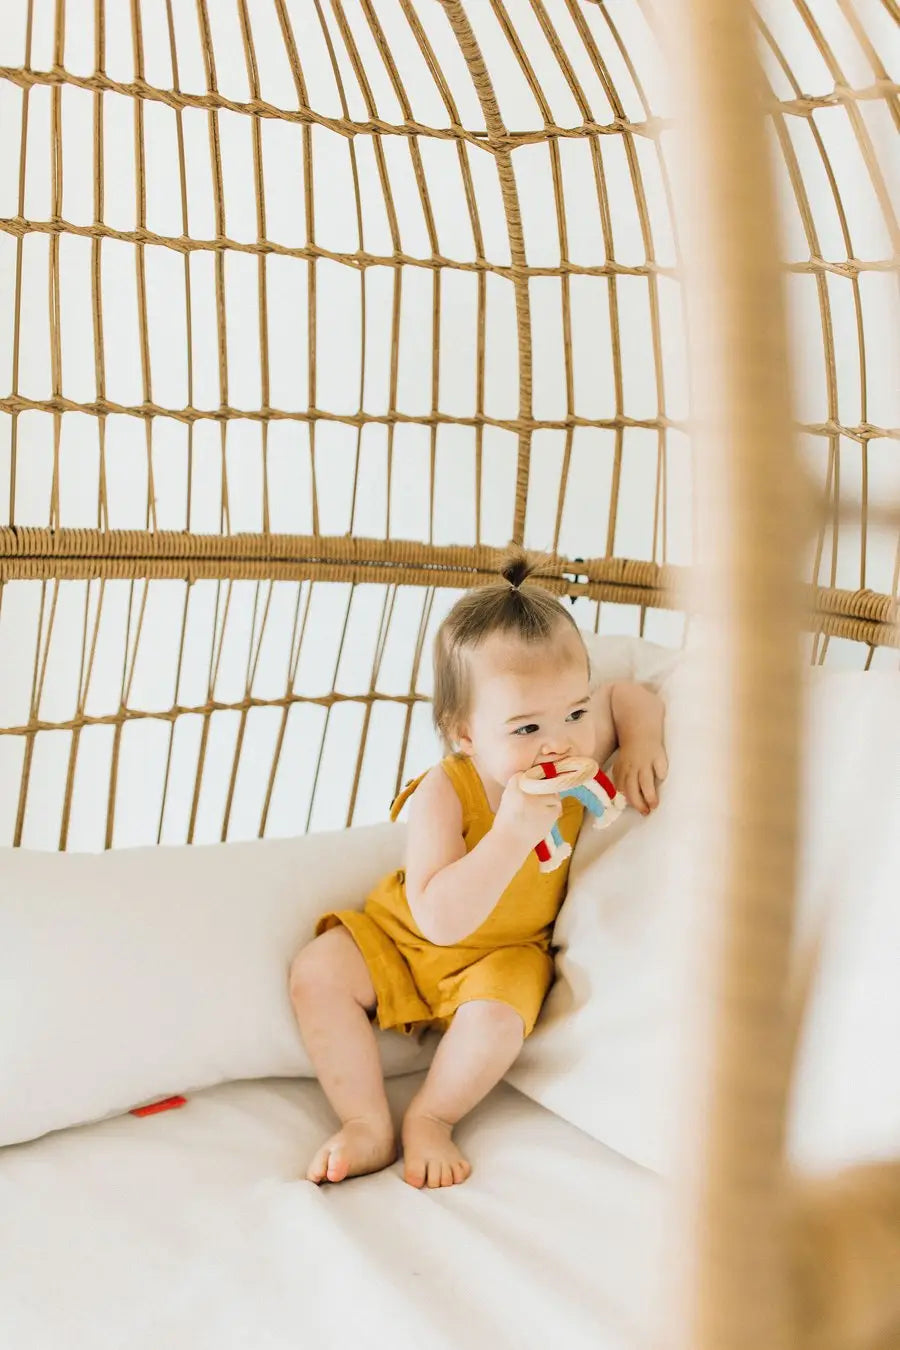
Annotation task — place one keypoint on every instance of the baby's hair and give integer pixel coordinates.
(513, 607)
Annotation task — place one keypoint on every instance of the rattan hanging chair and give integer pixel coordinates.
(310, 308)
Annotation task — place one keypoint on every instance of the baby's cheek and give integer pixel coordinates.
(587, 735)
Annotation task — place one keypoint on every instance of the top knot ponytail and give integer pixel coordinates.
(516, 567)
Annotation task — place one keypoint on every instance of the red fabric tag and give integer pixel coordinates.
(549, 770)
(169, 1104)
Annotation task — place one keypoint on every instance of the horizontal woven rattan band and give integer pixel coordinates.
(28, 553)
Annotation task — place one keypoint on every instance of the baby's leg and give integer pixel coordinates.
(484, 1038)
(332, 996)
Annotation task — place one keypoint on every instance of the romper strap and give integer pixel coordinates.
(403, 797)
(466, 783)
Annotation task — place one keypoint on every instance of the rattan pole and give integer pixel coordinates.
(748, 510)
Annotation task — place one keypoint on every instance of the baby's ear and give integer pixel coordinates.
(459, 736)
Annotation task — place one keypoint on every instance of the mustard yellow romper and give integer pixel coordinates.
(419, 984)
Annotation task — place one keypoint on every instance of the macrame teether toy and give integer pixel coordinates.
(573, 777)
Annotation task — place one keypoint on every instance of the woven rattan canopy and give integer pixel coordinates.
(306, 305)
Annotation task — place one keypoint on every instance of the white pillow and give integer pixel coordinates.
(608, 1052)
(142, 973)
(847, 1087)
(619, 657)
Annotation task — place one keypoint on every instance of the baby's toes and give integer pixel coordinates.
(318, 1168)
(439, 1173)
(330, 1164)
(415, 1171)
(338, 1164)
(430, 1157)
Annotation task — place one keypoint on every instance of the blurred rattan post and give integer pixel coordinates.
(750, 514)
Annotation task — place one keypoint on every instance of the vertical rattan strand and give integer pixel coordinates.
(261, 261)
(497, 138)
(807, 218)
(858, 125)
(39, 670)
(390, 207)
(56, 189)
(140, 212)
(659, 551)
(189, 467)
(584, 108)
(129, 662)
(209, 60)
(462, 152)
(666, 181)
(350, 592)
(215, 155)
(254, 649)
(188, 307)
(428, 213)
(849, 11)
(832, 480)
(20, 250)
(176, 694)
(362, 80)
(295, 648)
(339, 83)
(609, 88)
(217, 642)
(97, 261)
(384, 628)
(889, 215)
(293, 56)
(86, 662)
(527, 69)
(737, 1291)
(427, 603)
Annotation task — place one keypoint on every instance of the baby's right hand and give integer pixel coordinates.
(525, 819)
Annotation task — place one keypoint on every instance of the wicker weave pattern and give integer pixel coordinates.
(237, 545)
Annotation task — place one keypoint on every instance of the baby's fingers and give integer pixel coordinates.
(648, 786)
(661, 765)
(630, 785)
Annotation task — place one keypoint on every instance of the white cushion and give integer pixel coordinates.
(608, 1052)
(141, 973)
(618, 657)
(847, 1088)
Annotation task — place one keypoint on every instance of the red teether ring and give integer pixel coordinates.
(566, 773)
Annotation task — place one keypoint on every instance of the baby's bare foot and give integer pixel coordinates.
(360, 1146)
(430, 1156)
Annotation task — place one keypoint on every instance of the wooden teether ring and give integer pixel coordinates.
(571, 772)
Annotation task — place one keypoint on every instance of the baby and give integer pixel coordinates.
(460, 939)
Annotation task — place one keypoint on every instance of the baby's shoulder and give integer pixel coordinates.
(436, 821)
(436, 793)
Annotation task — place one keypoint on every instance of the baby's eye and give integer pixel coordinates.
(577, 715)
(527, 730)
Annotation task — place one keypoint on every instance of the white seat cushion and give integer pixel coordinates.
(141, 973)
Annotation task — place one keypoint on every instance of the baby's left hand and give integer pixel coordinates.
(638, 768)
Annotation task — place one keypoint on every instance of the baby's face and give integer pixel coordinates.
(529, 703)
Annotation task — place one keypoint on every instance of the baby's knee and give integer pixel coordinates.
(328, 964)
(313, 967)
(304, 971)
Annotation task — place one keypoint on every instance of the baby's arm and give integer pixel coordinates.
(630, 716)
(452, 892)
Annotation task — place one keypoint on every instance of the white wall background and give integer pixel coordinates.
(160, 644)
